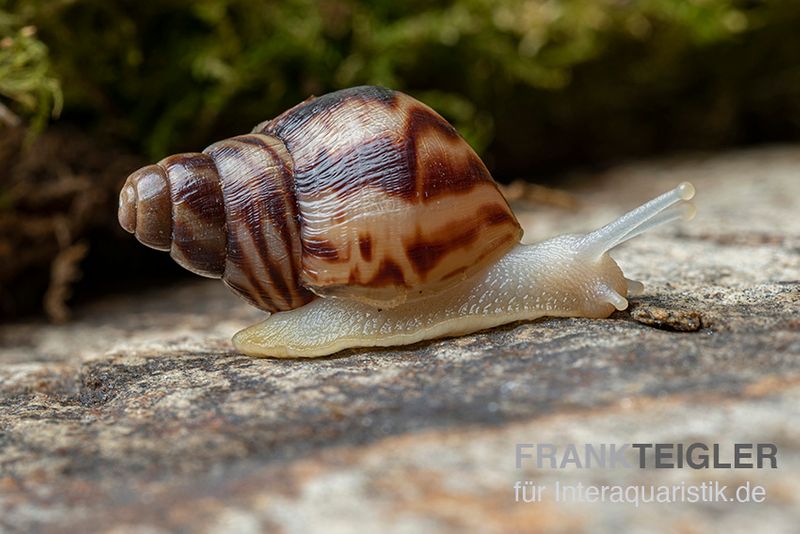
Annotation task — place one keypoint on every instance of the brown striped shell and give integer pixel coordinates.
(363, 193)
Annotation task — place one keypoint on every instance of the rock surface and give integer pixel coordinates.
(138, 416)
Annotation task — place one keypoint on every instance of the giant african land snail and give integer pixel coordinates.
(362, 218)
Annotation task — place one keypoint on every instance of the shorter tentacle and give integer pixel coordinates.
(613, 298)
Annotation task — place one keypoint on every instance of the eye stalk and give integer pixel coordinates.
(671, 206)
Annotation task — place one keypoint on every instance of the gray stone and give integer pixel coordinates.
(138, 416)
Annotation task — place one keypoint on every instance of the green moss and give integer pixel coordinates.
(526, 81)
(25, 74)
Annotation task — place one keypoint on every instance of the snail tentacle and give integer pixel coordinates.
(666, 208)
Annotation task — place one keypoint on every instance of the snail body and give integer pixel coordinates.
(362, 218)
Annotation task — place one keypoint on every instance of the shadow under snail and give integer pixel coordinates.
(362, 218)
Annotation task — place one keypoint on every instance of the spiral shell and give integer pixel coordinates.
(364, 193)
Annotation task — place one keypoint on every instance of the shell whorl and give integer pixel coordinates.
(228, 212)
(263, 252)
(177, 205)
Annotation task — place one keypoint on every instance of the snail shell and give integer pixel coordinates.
(364, 193)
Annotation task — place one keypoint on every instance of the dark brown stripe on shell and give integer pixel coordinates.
(425, 254)
(248, 291)
(355, 276)
(198, 215)
(375, 163)
(389, 274)
(321, 248)
(495, 214)
(422, 121)
(365, 246)
(444, 171)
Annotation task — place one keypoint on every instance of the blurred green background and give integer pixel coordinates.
(538, 87)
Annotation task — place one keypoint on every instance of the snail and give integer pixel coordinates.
(362, 218)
